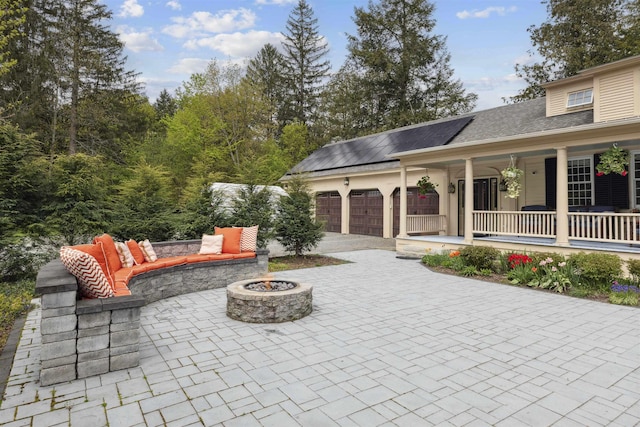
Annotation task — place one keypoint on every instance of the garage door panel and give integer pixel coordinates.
(366, 213)
(329, 211)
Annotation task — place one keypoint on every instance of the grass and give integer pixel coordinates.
(15, 300)
(293, 262)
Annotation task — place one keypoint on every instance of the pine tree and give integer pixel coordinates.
(266, 73)
(404, 69)
(296, 228)
(579, 34)
(12, 16)
(306, 68)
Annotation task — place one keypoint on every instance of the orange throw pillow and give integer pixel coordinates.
(110, 253)
(231, 240)
(135, 250)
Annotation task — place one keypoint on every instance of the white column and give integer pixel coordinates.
(562, 198)
(403, 202)
(468, 201)
(344, 220)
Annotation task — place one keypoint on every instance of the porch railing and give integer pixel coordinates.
(605, 227)
(426, 224)
(515, 223)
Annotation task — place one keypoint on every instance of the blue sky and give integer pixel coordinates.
(168, 40)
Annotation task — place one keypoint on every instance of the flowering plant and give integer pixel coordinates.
(550, 276)
(515, 260)
(425, 185)
(511, 176)
(624, 294)
(615, 159)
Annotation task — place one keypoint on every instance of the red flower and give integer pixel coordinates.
(623, 173)
(600, 174)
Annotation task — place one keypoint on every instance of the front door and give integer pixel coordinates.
(485, 198)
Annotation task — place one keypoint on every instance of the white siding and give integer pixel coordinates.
(616, 96)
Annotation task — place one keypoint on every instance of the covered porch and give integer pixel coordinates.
(563, 207)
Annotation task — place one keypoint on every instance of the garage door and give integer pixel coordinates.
(428, 204)
(329, 210)
(365, 213)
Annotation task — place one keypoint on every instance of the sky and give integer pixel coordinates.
(167, 41)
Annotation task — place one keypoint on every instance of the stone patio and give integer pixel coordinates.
(388, 343)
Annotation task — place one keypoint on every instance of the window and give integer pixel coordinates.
(580, 98)
(635, 176)
(580, 181)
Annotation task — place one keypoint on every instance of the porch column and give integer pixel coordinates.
(468, 201)
(403, 202)
(562, 198)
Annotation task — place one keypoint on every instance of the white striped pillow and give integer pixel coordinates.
(147, 251)
(126, 258)
(91, 279)
(249, 239)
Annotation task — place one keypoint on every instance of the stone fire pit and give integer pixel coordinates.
(268, 303)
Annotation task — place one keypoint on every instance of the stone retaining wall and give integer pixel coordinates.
(82, 338)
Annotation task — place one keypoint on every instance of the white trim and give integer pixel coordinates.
(576, 94)
(632, 179)
(591, 175)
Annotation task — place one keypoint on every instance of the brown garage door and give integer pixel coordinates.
(329, 210)
(428, 204)
(365, 213)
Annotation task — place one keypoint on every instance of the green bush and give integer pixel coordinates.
(480, 257)
(536, 257)
(15, 299)
(633, 266)
(434, 260)
(469, 271)
(596, 271)
(455, 263)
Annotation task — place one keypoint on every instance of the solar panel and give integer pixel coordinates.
(375, 148)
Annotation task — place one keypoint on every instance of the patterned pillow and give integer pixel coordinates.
(91, 279)
(126, 258)
(211, 244)
(249, 239)
(147, 251)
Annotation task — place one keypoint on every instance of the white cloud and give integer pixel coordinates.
(277, 2)
(200, 23)
(237, 44)
(139, 41)
(189, 66)
(131, 8)
(175, 5)
(485, 13)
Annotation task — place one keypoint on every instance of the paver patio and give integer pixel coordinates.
(389, 343)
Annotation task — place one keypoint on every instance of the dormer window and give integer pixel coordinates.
(580, 98)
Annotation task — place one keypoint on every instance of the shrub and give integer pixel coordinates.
(633, 266)
(15, 299)
(480, 257)
(434, 260)
(469, 271)
(537, 257)
(596, 271)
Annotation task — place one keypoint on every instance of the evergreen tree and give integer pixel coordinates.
(12, 16)
(165, 105)
(266, 73)
(306, 69)
(296, 228)
(403, 67)
(252, 206)
(579, 34)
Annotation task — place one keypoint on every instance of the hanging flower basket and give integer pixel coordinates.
(512, 176)
(615, 159)
(426, 186)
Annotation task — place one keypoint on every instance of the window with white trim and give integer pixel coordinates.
(635, 176)
(580, 181)
(580, 98)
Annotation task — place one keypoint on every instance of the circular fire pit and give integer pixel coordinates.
(268, 301)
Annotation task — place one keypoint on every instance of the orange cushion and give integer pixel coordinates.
(244, 255)
(142, 268)
(110, 253)
(231, 241)
(96, 252)
(216, 257)
(197, 258)
(123, 275)
(155, 265)
(135, 250)
(174, 260)
(121, 289)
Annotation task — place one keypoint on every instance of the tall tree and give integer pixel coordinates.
(12, 16)
(266, 73)
(165, 105)
(578, 34)
(404, 67)
(305, 50)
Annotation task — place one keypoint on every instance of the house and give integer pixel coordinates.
(368, 185)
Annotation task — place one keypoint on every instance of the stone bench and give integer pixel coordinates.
(87, 337)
